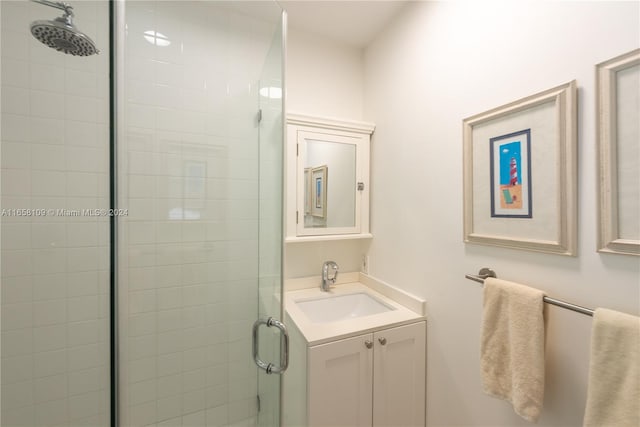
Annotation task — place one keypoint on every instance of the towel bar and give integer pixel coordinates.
(487, 272)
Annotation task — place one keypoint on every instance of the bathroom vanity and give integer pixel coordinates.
(357, 356)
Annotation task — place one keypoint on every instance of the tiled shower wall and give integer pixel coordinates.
(54, 266)
(188, 254)
(189, 177)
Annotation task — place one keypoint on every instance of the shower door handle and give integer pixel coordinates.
(284, 346)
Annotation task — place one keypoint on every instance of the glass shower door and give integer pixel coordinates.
(199, 252)
(270, 339)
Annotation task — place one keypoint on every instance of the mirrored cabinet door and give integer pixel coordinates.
(327, 179)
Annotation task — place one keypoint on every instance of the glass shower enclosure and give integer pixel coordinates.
(142, 216)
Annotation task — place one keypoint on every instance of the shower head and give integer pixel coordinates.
(60, 33)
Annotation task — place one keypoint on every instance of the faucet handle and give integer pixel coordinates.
(334, 266)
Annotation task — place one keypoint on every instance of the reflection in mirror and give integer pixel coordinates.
(318, 191)
(330, 184)
(307, 191)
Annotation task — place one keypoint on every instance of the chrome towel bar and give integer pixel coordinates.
(487, 272)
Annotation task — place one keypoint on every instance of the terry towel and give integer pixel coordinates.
(613, 395)
(512, 346)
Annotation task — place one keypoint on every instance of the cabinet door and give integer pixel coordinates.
(340, 383)
(399, 376)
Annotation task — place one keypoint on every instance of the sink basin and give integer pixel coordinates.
(341, 307)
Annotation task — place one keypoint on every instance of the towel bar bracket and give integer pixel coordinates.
(482, 274)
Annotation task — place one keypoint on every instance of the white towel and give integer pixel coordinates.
(613, 395)
(512, 348)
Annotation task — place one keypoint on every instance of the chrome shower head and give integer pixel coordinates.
(61, 35)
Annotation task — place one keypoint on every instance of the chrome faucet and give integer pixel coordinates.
(327, 281)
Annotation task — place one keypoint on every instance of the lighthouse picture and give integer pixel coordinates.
(510, 184)
(511, 175)
(513, 171)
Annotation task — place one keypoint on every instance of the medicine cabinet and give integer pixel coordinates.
(327, 179)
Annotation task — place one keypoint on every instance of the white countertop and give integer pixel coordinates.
(320, 333)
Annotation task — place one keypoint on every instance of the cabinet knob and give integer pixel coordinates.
(382, 341)
(368, 344)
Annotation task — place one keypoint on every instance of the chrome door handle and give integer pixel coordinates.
(284, 346)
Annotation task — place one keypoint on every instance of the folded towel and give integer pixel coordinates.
(613, 395)
(512, 347)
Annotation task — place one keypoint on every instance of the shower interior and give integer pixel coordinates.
(197, 180)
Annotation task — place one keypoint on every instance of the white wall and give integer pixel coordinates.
(436, 64)
(324, 78)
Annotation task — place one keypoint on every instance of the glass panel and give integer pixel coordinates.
(191, 174)
(54, 238)
(271, 184)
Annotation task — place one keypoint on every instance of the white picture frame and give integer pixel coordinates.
(545, 124)
(618, 134)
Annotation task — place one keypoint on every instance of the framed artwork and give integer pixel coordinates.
(519, 166)
(511, 175)
(618, 109)
(319, 194)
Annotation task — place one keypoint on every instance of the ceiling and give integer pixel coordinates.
(355, 23)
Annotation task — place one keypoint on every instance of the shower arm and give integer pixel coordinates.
(68, 9)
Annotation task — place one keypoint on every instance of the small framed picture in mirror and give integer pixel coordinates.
(319, 193)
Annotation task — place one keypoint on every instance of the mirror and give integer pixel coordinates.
(329, 184)
(327, 192)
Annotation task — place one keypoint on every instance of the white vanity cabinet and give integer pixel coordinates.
(347, 368)
(374, 379)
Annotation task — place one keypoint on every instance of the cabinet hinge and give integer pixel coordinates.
(258, 402)
(259, 115)
(297, 149)
(296, 217)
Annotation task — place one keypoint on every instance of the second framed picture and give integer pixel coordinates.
(619, 154)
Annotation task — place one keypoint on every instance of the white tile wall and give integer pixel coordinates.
(54, 151)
